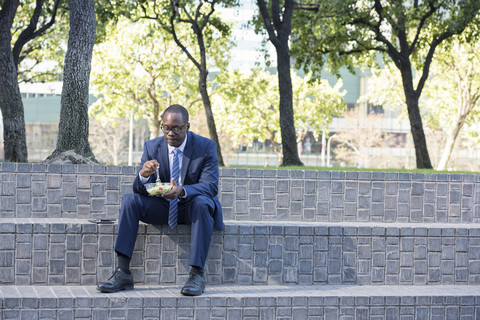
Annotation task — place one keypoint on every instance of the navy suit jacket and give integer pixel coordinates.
(199, 170)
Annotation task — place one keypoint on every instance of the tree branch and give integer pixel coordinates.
(175, 37)
(421, 24)
(30, 32)
(268, 23)
(286, 26)
(207, 18)
(307, 6)
(428, 60)
(277, 22)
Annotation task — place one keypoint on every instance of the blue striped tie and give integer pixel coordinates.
(173, 211)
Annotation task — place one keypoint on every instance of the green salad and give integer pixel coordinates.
(158, 188)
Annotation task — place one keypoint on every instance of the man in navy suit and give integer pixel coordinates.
(196, 191)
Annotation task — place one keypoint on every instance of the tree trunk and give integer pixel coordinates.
(14, 138)
(207, 105)
(452, 137)
(447, 151)
(73, 128)
(416, 126)
(287, 126)
(278, 34)
(155, 116)
(275, 149)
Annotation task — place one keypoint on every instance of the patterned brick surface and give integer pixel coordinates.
(256, 302)
(84, 191)
(43, 252)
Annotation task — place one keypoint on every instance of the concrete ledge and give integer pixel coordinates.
(71, 251)
(243, 302)
(85, 191)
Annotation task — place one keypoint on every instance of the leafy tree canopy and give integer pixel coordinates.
(216, 30)
(45, 24)
(140, 68)
(350, 32)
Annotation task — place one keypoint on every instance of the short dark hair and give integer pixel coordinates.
(176, 108)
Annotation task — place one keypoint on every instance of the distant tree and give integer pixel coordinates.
(209, 32)
(405, 32)
(109, 140)
(315, 104)
(451, 95)
(361, 142)
(139, 68)
(74, 127)
(247, 106)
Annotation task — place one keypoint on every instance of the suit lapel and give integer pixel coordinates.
(187, 155)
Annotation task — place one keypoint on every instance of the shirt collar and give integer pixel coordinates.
(181, 148)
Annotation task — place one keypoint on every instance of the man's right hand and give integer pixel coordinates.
(149, 168)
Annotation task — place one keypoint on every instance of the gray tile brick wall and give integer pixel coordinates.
(77, 252)
(85, 191)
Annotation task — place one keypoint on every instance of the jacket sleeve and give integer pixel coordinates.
(138, 186)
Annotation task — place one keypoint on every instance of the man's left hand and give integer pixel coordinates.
(176, 192)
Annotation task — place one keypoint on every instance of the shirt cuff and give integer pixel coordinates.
(185, 196)
(142, 178)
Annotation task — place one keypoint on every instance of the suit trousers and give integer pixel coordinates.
(154, 210)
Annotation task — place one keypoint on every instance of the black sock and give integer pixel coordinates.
(123, 262)
(197, 270)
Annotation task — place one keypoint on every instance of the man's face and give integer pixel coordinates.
(179, 128)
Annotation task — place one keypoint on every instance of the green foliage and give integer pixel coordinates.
(41, 59)
(451, 95)
(188, 16)
(315, 103)
(247, 105)
(140, 68)
(350, 32)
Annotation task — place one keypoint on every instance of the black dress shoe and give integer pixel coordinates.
(194, 286)
(120, 280)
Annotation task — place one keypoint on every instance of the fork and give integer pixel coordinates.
(158, 176)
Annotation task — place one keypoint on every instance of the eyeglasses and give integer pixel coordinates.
(174, 129)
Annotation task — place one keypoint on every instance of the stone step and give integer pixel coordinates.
(243, 302)
(77, 252)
